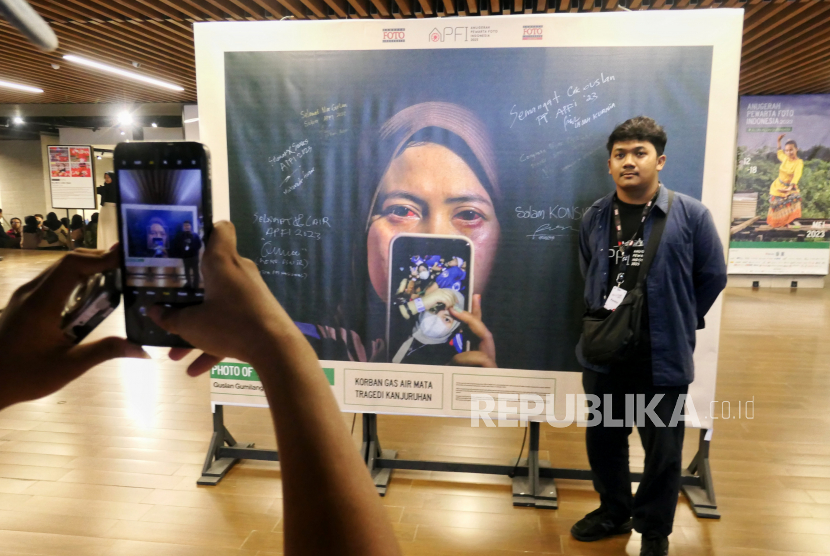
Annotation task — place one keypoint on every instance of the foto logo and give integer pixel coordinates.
(394, 35)
(532, 32)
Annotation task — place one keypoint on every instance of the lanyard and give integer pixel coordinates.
(627, 245)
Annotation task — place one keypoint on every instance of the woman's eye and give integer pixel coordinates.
(469, 215)
(401, 211)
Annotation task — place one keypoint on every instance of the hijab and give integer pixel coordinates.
(441, 123)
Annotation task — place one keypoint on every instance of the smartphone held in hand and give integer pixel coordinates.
(164, 220)
(90, 303)
(428, 276)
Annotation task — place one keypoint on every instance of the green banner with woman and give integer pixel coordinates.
(781, 200)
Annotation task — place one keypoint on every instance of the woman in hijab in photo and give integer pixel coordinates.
(429, 170)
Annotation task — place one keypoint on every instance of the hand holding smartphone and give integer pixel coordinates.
(164, 220)
(428, 275)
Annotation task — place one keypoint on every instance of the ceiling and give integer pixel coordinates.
(786, 46)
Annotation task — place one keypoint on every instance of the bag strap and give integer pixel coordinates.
(654, 241)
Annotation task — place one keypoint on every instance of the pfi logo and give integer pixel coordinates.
(448, 34)
(394, 35)
(531, 32)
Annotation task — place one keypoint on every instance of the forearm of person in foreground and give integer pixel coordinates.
(330, 504)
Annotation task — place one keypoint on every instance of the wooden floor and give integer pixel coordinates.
(108, 466)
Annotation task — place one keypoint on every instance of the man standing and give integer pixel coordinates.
(186, 245)
(686, 275)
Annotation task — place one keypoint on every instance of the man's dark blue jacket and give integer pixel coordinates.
(686, 276)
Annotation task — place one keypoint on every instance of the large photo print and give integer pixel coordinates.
(334, 154)
(781, 198)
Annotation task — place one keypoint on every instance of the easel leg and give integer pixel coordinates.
(371, 450)
(215, 468)
(533, 490)
(701, 497)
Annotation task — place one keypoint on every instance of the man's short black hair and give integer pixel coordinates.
(641, 128)
(791, 142)
(187, 222)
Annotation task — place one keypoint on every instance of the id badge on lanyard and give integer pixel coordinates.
(618, 294)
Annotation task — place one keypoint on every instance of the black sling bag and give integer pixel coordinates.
(611, 337)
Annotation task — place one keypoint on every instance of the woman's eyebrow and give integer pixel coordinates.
(471, 198)
(405, 195)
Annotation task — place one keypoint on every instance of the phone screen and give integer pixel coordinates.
(163, 218)
(427, 275)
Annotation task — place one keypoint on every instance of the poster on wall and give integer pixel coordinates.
(383, 181)
(71, 177)
(781, 199)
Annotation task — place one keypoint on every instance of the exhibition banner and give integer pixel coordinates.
(71, 177)
(385, 179)
(781, 199)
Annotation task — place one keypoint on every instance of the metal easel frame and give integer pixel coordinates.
(533, 479)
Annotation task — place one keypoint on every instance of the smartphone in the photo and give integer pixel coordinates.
(428, 274)
(164, 220)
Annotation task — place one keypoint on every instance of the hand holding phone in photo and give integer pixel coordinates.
(430, 277)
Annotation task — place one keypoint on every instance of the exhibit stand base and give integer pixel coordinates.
(533, 479)
(224, 452)
(758, 281)
(701, 493)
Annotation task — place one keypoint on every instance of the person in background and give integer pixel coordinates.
(314, 443)
(67, 223)
(108, 219)
(32, 234)
(3, 222)
(91, 232)
(15, 233)
(687, 274)
(55, 232)
(5, 240)
(39, 218)
(77, 228)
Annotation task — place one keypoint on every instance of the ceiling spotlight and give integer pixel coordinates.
(99, 157)
(125, 118)
(154, 124)
(122, 133)
(136, 64)
(121, 72)
(21, 87)
(17, 120)
(55, 66)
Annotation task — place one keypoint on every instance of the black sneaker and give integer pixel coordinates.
(654, 545)
(598, 525)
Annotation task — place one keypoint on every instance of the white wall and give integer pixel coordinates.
(191, 130)
(79, 136)
(21, 179)
(163, 134)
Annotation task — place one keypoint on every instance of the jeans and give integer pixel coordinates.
(653, 507)
(191, 272)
